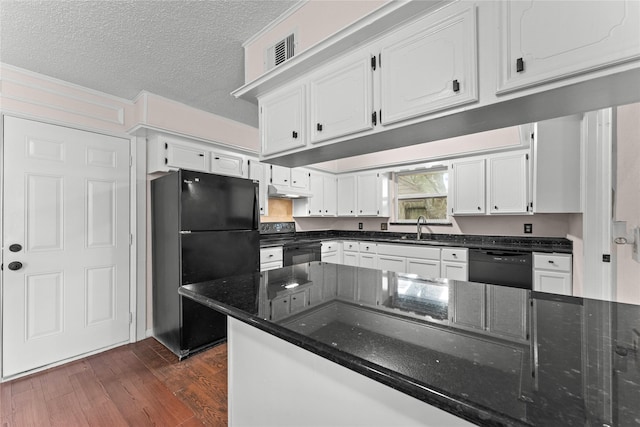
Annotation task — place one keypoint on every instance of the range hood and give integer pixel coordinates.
(281, 192)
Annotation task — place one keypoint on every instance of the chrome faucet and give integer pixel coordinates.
(419, 226)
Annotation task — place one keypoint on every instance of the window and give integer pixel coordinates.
(423, 192)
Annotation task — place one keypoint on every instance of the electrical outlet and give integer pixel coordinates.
(359, 226)
(383, 226)
(528, 228)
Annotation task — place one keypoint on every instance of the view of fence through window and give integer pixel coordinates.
(422, 193)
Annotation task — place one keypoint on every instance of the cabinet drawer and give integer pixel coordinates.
(455, 254)
(328, 247)
(271, 254)
(552, 262)
(367, 247)
(350, 246)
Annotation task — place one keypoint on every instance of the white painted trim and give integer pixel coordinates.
(147, 130)
(1, 233)
(41, 119)
(140, 235)
(286, 14)
(119, 110)
(65, 83)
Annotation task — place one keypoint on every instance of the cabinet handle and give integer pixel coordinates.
(295, 182)
(551, 261)
(319, 127)
(360, 210)
(479, 208)
(295, 135)
(456, 86)
(202, 155)
(271, 256)
(286, 180)
(519, 65)
(454, 255)
(495, 207)
(351, 211)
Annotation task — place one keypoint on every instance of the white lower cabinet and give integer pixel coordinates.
(270, 258)
(421, 260)
(350, 253)
(330, 252)
(552, 273)
(454, 264)
(367, 255)
(392, 263)
(423, 267)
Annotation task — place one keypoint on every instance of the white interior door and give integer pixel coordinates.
(66, 203)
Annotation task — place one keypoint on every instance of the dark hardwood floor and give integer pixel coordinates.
(139, 384)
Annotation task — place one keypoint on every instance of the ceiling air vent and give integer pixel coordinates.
(280, 52)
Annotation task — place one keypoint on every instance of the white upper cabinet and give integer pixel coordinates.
(258, 172)
(430, 65)
(468, 187)
(372, 194)
(227, 164)
(330, 196)
(315, 204)
(183, 157)
(299, 178)
(282, 116)
(280, 175)
(508, 183)
(346, 195)
(542, 41)
(340, 99)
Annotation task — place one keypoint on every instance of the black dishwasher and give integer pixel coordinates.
(497, 267)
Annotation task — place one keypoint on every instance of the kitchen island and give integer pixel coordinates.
(329, 344)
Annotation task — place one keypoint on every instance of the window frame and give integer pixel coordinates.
(438, 167)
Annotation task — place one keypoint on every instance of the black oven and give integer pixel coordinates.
(300, 252)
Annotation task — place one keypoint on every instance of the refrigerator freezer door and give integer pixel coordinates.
(209, 255)
(215, 202)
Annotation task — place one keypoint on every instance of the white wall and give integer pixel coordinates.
(627, 199)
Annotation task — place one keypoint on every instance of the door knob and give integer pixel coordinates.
(15, 247)
(15, 265)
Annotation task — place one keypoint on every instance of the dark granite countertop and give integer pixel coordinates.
(493, 355)
(528, 244)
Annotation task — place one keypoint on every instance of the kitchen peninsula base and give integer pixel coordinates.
(275, 383)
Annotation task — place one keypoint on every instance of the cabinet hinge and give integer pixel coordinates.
(166, 162)
(130, 239)
(380, 60)
(130, 317)
(531, 205)
(166, 146)
(130, 161)
(373, 63)
(374, 118)
(532, 135)
(380, 116)
(526, 156)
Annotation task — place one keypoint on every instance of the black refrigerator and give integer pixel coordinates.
(204, 227)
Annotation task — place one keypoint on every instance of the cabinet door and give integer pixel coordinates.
(468, 187)
(182, 157)
(350, 258)
(281, 120)
(227, 164)
(280, 307)
(315, 202)
(330, 196)
(507, 311)
(341, 99)
(346, 195)
(367, 195)
(300, 178)
(454, 270)
(392, 263)
(601, 33)
(298, 301)
(280, 175)
(423, 267)
(257, 171)
(508, 184)
(331, 257)
(469, 302)
(367, 260)
(552, 282)
(430, 66)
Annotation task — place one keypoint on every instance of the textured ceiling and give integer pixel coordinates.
(189, 51)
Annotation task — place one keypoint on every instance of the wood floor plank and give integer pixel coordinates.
(65, 411)
(137, 384)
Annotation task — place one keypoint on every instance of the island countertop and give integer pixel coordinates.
(493, 355)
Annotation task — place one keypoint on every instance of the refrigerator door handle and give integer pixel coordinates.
(256, 209)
